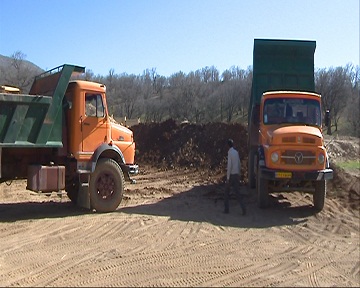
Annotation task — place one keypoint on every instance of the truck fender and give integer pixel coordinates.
(108, 151)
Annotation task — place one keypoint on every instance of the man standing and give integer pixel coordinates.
(233, 177)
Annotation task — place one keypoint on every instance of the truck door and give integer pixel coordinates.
(94, 123)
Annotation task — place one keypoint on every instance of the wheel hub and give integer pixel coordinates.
(105, 186)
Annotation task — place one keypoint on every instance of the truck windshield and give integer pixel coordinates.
(292, 110)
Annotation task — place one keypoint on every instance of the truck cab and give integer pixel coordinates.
(93, 135)
(291, 152)
(285, 141)
(90, 125)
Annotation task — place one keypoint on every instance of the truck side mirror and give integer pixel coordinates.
(327, 117)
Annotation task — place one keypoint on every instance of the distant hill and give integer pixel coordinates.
(21, 76)
(6, 62)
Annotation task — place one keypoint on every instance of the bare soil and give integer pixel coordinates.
(169, 229)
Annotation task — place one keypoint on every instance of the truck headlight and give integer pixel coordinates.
(274, 157)
(321, 158)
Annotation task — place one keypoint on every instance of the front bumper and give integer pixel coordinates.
(318, 175)
(131, 169)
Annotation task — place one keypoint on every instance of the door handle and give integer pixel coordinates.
(87, 124)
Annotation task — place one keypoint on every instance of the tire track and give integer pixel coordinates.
(77, 241)
(274, 247)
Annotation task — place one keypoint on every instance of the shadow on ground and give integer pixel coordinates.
(10, 212)
(205, 204)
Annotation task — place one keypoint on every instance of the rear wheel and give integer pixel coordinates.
(106, 186)
(319, 195)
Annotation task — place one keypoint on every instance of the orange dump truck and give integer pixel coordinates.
(60, 137)
(286, 145)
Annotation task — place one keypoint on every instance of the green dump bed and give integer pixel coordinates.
(35, 119)
(282, 65)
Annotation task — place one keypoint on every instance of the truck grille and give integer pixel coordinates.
(289, 139)
(292, 139)
(309, 140)
(291, 157)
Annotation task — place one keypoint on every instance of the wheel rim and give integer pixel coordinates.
(105, 186)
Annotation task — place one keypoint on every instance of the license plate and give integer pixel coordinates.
(283, 174)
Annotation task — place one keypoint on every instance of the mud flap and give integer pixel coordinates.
(84, 196)
(83, 199)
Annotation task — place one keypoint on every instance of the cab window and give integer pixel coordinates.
(94, 106)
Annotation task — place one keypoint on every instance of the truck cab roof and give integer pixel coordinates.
(88, 85)
(291, 94)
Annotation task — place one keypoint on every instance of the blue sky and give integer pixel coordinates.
(130, 36)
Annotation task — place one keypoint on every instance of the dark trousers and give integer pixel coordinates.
(233, 183)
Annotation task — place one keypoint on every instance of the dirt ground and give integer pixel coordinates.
(169, 229)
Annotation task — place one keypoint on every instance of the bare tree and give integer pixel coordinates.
(214, 107)
(353, 104)
(129, 91)
(179, 98)
(89, 75)
(238, 83)
(155, 110)
(334, 85)
(19, 72)
(148, 83)
(209, 74)
(231, 91)
(110, 80)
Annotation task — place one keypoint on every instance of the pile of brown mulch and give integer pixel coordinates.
(204, 146)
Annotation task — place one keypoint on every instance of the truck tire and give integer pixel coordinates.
(262, 191)
(106, 186)
(319, 195)
(251, 168)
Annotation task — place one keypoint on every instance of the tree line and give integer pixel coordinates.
(204, 95)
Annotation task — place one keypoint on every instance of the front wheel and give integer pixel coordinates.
(106, 186)
(319, 195)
